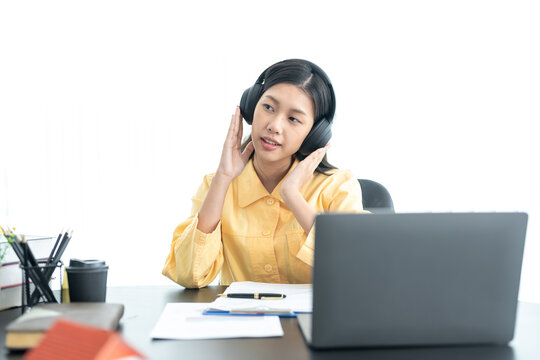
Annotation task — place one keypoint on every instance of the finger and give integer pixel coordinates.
(235, 122)
(313, 160)
(324, 149)
(230, 132)
(316, 158)
(317, 155)
(247, 151)
(239, 123)
(234, 128)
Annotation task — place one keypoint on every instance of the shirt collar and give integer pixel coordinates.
(251, 189)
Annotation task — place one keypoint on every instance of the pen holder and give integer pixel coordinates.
(36, 283)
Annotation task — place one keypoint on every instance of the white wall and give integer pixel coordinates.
(112, 111)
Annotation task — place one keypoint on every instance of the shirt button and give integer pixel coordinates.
(270, 201)
(268, 267)
(266, 232)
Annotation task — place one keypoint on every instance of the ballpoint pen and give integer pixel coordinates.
(259, 296)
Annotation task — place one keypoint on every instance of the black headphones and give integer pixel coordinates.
(321, 131)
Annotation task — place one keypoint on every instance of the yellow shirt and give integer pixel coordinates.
(258, 238)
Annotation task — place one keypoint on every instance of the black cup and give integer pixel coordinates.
(87, 280)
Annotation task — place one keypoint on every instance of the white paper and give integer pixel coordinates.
(185, 321)
(299, 297)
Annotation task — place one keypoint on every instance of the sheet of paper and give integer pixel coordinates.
(185, 321)
(299, 297)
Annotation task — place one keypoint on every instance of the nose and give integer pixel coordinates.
(275, 125)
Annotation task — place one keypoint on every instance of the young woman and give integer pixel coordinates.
(253, 218)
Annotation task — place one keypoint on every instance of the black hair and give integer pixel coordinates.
(301, 74)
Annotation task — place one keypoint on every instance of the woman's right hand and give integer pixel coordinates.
(233, 160)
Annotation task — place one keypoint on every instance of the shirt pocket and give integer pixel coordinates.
(298, 271)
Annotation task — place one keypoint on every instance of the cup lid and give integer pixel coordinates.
(87, 264)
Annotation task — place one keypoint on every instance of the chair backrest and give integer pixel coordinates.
(375, 197)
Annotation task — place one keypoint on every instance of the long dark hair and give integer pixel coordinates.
(301, 74)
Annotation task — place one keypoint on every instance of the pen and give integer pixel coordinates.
(259, 296)
(51, 256)
(262, 311)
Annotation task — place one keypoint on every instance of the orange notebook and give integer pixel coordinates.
(68, 340)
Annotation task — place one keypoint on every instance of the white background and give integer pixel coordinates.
(112, 111)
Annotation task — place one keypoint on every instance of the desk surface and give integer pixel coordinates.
(144, 304)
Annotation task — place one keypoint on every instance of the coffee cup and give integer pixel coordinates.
(87, 280)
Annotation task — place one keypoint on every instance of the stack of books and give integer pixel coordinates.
(11, 274)
(30, 328)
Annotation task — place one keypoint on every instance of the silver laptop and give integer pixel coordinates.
(415, 279)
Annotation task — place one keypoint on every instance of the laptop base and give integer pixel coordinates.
(304, 322)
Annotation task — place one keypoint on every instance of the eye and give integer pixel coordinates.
(268, 107)
(295, 120)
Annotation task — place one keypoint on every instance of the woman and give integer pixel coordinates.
(253, 218)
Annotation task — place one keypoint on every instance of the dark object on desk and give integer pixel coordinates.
(375, 197)
(261, 296)
(11, 278)
(28, 329)
(87, 280)
(418, 279)
(33, 271)
(68, 339)
(53, 261)
(48, 267)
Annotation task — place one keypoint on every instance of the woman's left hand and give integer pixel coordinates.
(302, 173)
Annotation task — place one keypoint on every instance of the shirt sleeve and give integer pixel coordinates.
(343, 194)
(195, 258)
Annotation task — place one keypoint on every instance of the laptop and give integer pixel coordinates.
(384, 280)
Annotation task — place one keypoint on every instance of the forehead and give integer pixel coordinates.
(292, 97)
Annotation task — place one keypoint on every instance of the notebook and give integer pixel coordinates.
(415, 279)
(297, 300)
(28, 329)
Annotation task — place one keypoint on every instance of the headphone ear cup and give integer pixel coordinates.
(249, 100)
(243, 106)
(318, 137)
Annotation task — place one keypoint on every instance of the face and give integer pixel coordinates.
(283, 118)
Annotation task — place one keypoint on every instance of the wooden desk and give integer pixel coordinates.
(144, 305)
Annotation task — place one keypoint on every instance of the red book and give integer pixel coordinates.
(70, 340)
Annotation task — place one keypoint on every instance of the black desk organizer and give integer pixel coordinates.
(34, 292)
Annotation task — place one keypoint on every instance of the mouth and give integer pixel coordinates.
(271, 141)
(269, 144)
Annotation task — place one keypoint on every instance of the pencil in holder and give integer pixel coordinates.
(36, 282)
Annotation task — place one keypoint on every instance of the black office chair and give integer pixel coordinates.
(375, 197)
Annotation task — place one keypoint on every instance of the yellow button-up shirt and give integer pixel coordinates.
(258, 238)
